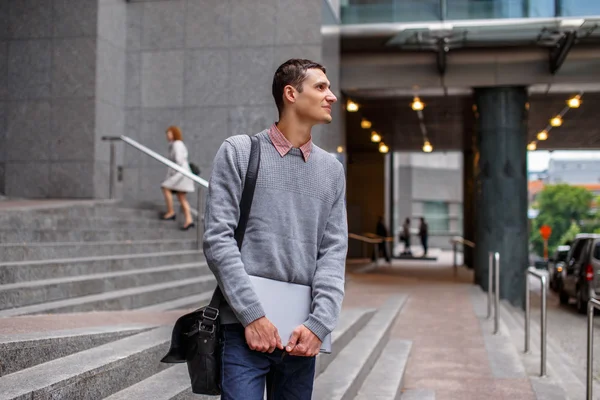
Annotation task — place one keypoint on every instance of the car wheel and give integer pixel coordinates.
(581, 305)
(564, 297)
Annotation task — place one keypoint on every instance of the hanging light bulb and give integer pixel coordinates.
(532, 146)
(574, 102)
(375, 137)
(351, 106)
(365, 124)
(427, 147)
(543, 135)
(417, 104)
(340, 149)
(556, 121)
(383, 148)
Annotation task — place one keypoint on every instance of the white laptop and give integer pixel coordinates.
(286, 305)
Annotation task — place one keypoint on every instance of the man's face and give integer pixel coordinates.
(315, 100)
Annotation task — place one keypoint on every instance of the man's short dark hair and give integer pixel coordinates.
(292, 72)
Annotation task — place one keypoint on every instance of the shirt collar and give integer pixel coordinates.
(284, 146)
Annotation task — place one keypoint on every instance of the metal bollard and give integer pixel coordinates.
(497, 294)
(531, 271)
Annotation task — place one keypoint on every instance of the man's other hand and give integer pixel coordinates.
(261, 335)
(303, 343)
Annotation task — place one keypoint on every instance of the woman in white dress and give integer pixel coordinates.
(175, 181)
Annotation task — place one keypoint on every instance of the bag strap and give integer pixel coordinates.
(240, 231)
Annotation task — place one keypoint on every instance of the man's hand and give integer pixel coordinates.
(303, 343)
(261, 335)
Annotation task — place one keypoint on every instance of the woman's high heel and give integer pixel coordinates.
(185, 228)
(171, 218)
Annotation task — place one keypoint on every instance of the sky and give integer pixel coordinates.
(538, 160)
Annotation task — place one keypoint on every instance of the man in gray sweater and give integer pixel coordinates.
(297, 232)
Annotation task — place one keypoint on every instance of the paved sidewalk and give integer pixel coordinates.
(452, 355)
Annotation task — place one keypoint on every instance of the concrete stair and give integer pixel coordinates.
(345, 374)
(91, 235)
(43, 291)
(49, 251)
(20, 271)
(128, 367)
(79, 262)
(21, 351)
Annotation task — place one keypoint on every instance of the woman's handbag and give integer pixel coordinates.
(195, 337)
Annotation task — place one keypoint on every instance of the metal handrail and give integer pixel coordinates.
(168, 163)
(592, 305)
(455, 241)
(532, 271)
(494, 288)
(375, 241)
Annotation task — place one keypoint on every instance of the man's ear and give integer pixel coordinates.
(289, 93)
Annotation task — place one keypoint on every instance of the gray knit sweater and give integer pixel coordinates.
(297, 229)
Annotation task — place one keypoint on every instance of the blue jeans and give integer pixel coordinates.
(244, 371)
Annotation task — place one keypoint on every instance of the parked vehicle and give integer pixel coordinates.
(556, 266)
(581, 275)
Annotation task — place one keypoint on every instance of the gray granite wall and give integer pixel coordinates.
(72, 71)
(110, 90)
(47, 85)
(207, 66)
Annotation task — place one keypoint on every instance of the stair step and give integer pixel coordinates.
(19, 271)
(81, 209)
(189, 302)
(346, 373)
(349, 324)
(89, 235)
(132, 298)
(385, 379)
(174, 383)
(170, 384)
(35, 292)
(45, 251)
(21, 351)
(92, 374)
(29, 222)
(418, 394)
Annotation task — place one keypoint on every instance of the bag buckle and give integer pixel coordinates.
(208, 317)
(203, 330)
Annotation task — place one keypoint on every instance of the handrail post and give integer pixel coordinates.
(490, 284)
(592, 305)
(111, 172)
(497, 294)
(543, 317)
(544, 325)
(527, 311)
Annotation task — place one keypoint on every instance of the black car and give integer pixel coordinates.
(581, 278)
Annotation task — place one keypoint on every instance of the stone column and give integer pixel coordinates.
(470, 156)
(501, 212)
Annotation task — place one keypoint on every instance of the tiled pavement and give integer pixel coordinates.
(449, 354)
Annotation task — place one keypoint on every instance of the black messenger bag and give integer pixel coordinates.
(195, 337)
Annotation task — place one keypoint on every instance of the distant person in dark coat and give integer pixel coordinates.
(405, 237)
(382, 231)
(424, 234)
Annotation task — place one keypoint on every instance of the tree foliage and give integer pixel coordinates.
(559, 206)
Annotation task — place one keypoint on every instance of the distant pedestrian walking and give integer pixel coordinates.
(175, 181)
(381, 231)
(424, 234)
(405, 237)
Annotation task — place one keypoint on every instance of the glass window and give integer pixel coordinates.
(597, 251)
(437, 216)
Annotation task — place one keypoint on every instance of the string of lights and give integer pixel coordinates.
(376, 137)
(556, 121)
